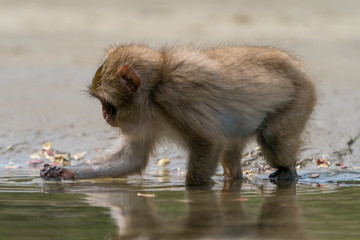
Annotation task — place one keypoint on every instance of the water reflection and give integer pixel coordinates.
(199, 213)
(112, 209)
(280, 215)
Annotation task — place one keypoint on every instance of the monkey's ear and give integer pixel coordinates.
(129, 78)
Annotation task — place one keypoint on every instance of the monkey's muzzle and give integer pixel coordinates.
(109, 113)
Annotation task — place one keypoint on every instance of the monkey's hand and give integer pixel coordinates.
(50, 172)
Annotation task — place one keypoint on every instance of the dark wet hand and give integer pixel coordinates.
(50, 172)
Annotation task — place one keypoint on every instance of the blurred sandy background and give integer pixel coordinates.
(49, 51)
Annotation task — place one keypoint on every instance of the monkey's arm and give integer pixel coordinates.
(132, 158)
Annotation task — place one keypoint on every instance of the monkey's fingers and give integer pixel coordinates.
(51, 172)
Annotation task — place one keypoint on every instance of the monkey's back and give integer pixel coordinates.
(231, 89)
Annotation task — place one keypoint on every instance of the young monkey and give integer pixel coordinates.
(212, 102)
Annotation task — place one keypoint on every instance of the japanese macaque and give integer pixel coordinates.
(209, 101)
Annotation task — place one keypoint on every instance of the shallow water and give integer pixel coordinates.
(158, 206)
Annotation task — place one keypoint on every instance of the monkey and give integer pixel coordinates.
(211, 101)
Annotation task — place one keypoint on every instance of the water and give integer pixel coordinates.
(153, 208)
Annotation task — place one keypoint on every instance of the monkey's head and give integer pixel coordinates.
(117, 82)
(115, 88)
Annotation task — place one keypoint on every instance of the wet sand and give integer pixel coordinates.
(49, 52)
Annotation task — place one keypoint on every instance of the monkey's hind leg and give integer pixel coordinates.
(280, 139)
(281, 132)
(280, 151)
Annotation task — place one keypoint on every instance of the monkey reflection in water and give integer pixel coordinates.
(209, 101)
(203, 214)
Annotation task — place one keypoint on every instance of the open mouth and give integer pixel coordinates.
(109, 112)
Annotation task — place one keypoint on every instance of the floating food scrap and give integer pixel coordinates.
(48, 153)
(98, 149)
(80, 155)
(179, 171)
(47, 146)
(10, 147)
(163, 162)
(314, 175)
(254, 153)
(146, 195)
(11, 165)
(322, 186)
(56, 158)
(249, 173)
(265, 168)
(35, 156)
(62, 158)
(341, 164)
(241, 199)
(36, 161)
(322, 163)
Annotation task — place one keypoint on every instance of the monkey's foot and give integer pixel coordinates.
(284, 174)
(284, 177)
(50, 172)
